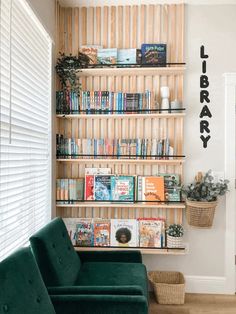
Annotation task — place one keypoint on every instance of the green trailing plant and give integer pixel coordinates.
(205, 188)
(175, 230)
(67, 68)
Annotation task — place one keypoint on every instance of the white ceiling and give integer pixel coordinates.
(74, 3)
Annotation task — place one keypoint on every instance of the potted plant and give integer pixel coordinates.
(175, 234)
(202, 198)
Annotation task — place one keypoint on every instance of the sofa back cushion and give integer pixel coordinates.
(22, 289)
(57, 260)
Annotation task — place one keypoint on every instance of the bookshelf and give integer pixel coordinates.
(107, 26)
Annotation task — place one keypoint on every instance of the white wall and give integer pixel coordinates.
(215, 27)
(45, 11)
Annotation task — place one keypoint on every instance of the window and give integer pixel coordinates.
(25, 125)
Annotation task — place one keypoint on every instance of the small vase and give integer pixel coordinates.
(174, 242)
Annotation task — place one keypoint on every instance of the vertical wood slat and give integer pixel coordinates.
(125, 27)
(75, 32)
(83, 26)
(134, 16)
(150, 24)
(90, 26)
(97, 33)
(120, 27)
(105, 27)
(112, 27)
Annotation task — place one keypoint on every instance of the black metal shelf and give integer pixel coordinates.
(59, 156)
(119, 201)
(101, 112)
(132, 65)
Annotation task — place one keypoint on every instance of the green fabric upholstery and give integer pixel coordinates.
(57, 260)
(89, 282)
(111, 256)
(113, 274)
(99, 304)
(22, 290)
(108, 290)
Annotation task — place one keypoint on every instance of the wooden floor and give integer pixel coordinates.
(197, 304)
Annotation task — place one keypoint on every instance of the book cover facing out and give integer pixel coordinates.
(89, 187)
(71, 226)
(153, 53)
(107, 56)
(153, 188)
(91, 51)
(84, 233)
(151, 232)
(126, 56)
(102, 233)
(89, 180)
(171, 183)
(102, 187)
(124, 232)
(122, 188)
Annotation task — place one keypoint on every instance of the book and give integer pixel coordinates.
(79, 189)
(102, 233)
(90, 51)
(153, 53)
(58, 191)
(71, 226)
(84, 232)
(153, 188)
(151, 232)
(126, 56)
(89, 180)
(171, 184)
(102, 187)
(122, 188)
(124, 232)
(107, 56)
(89, 187)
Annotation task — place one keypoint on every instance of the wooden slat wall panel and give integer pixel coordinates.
(124, 27)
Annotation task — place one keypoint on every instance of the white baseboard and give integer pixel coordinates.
(205, 284)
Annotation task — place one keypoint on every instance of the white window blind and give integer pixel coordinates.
(25, 125)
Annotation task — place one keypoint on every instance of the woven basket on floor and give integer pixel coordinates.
(200, 214)
(169, 286)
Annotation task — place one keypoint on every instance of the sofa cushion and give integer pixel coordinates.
(21, 286)
(58, 262)
(113, 274)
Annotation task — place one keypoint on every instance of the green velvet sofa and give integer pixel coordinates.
(22, 291)
(118, 277)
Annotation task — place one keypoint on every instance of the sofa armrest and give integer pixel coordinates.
(94, 290)
(111, 256)
(108, 304)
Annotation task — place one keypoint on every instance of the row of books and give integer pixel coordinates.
(100, 185)
(143, 232)
(92, 102)
(148, 54)
(119, 148)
